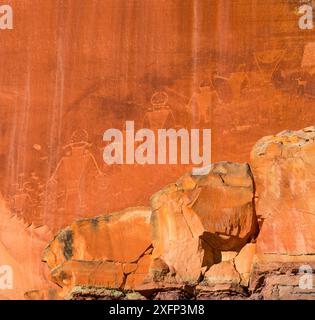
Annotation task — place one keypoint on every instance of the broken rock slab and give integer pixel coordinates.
(111, 251)
(197, 218)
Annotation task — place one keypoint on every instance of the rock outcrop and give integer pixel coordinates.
(112, 251)
(238, 232)
(199, 217)
(194, 224)
(284, 169)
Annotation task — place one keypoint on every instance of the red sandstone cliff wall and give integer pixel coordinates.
(72, 69)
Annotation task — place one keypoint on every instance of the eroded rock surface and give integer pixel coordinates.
(284, 170)
(21, 245)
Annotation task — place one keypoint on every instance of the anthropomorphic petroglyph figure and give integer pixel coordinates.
(238, 81)
(26, 200)
(72, 180)
(268, 62)
(202, 103)
(35, 188)
(21, 201)
(159, 115)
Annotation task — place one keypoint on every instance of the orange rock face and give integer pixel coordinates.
(26, 272)
(283, 166)
(72, 69)
(200, 216)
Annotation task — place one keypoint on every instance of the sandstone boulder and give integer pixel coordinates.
(243, 263)
(234, 270)
(222, 273)
(198, 217)
(112, 251)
